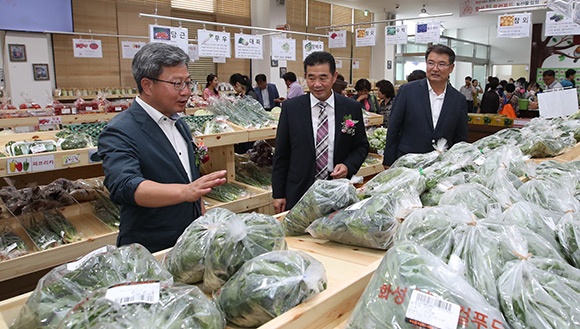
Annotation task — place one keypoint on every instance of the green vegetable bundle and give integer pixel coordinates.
(269, 285)
(472, 196)
(246, 112)
(538, 292)
(368, 223)
(569, 236)
(227, 192)
(377, 139)
(408, 269)
(416, 160)
(216, 125)
(507, 156)
(11, 245)
(40, 232)
(551, 194)
(394, 180)
(107, 211)
(178, 307)
(508, 136)
(321, 199)
(535, 218)
(66, 285)
(432, 195)
(504, 186)
(76, 140)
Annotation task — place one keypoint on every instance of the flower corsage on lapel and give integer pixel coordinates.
(201, 155)
(348, 125)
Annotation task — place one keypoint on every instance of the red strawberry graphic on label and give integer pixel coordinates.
(94, 46)
(333, 35)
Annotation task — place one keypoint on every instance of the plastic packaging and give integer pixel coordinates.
(394, 180)
(270, 285)
(472, 196)
(569, 236)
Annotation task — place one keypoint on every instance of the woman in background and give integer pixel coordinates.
(242, 85)
(211, 87)
(367, 100)
(386, 97)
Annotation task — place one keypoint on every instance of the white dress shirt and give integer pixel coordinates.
(436, 103)
(266, 98)
(331, 125)
(170, 130)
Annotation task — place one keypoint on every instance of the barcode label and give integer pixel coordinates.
(136, 292)
(427, 311)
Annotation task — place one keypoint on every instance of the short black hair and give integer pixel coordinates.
(340, 77)
(290, 76)
(319, 58)
(362, 84)
(510, 88)
(416, 75)
(260, 78)
(549, 73)
(570, 72)
(386, 88)
(441, 49)
(468, 78)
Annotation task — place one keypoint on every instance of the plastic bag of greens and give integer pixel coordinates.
(538, 292)
(551, 194)
(464, 155)
(216, 125)
(148, 305)
(368, 223)
(236, 241)
(76, 140)
(508, 136)
(66, 285)
(569, 236)
(421, 160)
(432, 228)
(321, 199)
(472, 196)
(411, 282)
(432, 195)
(507, 156)
(393, 181)
(535, 218)
(504, 186)
(546, 145)
(186, 260)
(561, 171)
(270, 285)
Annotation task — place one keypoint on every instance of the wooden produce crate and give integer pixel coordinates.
(372, 169)
(95, 234)
(239, 135)
(255, 199)
(373, 119)
(60, 119)
(262, 133)
(46, 161)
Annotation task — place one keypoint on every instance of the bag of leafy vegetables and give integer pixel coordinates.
(432, 195)
(422, 160)
(507, 156)
(270, 285)
(409, 284)
(164, 306)
(472, 196)
(321, 199)
(368, 223)
(535, 218)
(394, 180)
(66, 285)
(569, 236)
(186, 260)
(504, 186)
(75, 140)
(236, 241)
(551, 194)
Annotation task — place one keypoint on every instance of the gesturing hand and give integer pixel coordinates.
(204, 184)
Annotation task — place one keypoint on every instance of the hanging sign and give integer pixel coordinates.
(214, 44)
(396, 35)
(338, 63)
(366, 37)
(355, 64)
(558, 24)
(220, 60)
(337, 39)
(87, 48)
(284, 49)
(427, 32)
(309, 47)
(175, 36)
(514, 25)
(192, 52)
(249, 46)
(130, 48)
(468, 8)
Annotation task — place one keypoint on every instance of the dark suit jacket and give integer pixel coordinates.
(295, 156)
(411, 125)
(272, 93)
(134, 149)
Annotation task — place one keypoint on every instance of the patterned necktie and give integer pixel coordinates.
(322, 142)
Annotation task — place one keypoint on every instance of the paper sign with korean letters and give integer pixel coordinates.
(338, 63)
(18, 166)
(558, 24)
(366, 37)
(249, 46)
(192, 52)
(284, 49)
(355, 64)
(514, 25)
(130, 48)
(71, 159)
(87, 48)
(428, 32)
(309, 47)
(396, 35)
(337, 39)
(214, 44)
(42, 162)
(176, 36)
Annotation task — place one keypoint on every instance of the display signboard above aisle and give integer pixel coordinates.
(428, 32)
(337, 39)
(87, 48)
(249, 46)
(514, 25)
(366, 37)
(214, 44)
(175, 36)
(396, 35)
(284, 49)
(559, 24)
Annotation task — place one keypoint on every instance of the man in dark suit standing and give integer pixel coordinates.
(427, 110)
(320, 135)
(267, 93)
(150, 160)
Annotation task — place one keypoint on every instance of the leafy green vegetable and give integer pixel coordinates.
(569, 236)
(321, 199)
(269, 285)
(75, 141)
(226, 193)
(377, 139)
(394, 180)
(535, 218)
(11, 245)
(472, 196)
(551, 194)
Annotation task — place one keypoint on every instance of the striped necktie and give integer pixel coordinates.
(322, 142)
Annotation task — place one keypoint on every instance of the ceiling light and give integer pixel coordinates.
(423, 12)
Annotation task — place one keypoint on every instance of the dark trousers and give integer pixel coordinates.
(469, 106)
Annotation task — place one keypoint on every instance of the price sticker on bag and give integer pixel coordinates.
(134, 292)
(427, 311)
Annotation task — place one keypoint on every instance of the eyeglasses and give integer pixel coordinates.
(179, 86)
(440, 65)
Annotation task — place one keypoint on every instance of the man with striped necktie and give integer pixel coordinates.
(321, 135)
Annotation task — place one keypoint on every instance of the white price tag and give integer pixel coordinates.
(135, 292)
(427, 311)
(11, 247)
(66, 110)
(72, 266)
(479, 161)
(38, 148)
(54, 120)
(88, 108)
(118, 109)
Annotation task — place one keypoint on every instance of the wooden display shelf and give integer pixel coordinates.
(372, 169)
(74, 98)
(373, 119)
(63, 119)
(262, 133)
(257, 198)
(42, 162)
(239, 135)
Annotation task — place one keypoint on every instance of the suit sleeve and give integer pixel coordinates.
(360, 148)
(281, 160)
(461, 129)
(395, 127)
